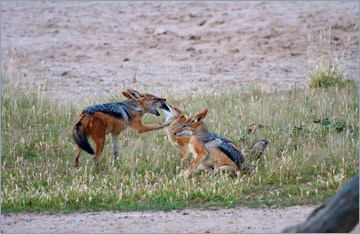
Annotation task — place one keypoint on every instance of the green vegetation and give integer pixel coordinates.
(313, 150)
(327, 75)
(325, 70)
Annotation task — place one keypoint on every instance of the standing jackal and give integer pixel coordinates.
(179, 118)
(209, 149)
(98, 120)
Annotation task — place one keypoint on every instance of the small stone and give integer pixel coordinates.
(295, 53)
(194, 37)
(202, 22)
(126, 59)
(160, 31)
(203, 51)
(235, 51)
(154, 45)
(192, 15)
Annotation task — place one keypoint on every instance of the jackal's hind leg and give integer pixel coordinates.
(201, 167)
(77, 157)
(99, 141)
(114, 142)
(226, 169)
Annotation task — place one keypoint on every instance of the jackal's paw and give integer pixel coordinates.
(169, 121)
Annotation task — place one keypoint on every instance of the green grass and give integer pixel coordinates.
(326, 69)
(313, 150)
(327, 75)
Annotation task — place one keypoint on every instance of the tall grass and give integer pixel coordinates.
(325, 69)
(313, 150)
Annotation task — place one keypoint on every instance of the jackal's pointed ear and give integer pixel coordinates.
(135, 94)
(183, 116)
(126, 94)
(180, 113)
(200, 117)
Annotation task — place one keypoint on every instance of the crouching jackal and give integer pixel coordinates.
(209, 149)
(98, 120)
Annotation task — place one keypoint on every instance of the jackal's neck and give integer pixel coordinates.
(177, 117)
(134, 105)
(202, 130)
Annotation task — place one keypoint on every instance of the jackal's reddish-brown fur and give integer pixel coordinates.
(206, 154)
(181, 142)
(99, 124)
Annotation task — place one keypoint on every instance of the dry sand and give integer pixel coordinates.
(240, 219)
(78, 50)
(237, 220)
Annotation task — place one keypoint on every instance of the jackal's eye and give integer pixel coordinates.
(184, 126)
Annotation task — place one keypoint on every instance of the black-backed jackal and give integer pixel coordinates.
(209, 149)
(99, 120)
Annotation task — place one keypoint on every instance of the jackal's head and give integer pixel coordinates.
(148, 102)
(192, 125)
(170, 111)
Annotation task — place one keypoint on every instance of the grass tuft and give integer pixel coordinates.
(325, 69)
(327, 75)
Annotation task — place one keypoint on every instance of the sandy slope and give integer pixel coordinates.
(191, 47)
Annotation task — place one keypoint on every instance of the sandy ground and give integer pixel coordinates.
(237, 220)
(240, 219)
(79, 48)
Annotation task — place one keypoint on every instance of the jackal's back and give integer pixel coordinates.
(120, 110)
(225, 146)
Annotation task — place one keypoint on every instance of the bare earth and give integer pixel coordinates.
(237, 220)
(77, 50)
(240, 219)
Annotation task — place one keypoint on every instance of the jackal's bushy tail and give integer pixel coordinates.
(80, 138)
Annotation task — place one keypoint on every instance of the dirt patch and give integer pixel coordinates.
(241, 219)
(75, 49)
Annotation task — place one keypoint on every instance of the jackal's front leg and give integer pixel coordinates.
(137, 124)
(184, 154)
(201, 153)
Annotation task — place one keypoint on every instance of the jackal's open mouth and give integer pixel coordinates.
(165, 107)
(179, 134)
